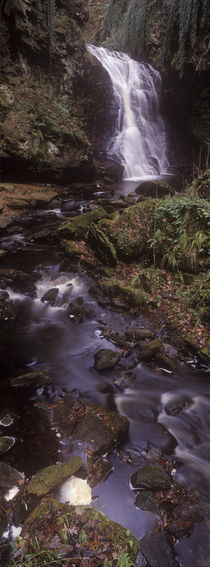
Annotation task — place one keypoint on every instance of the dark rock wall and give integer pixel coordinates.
(42, 90)
(187, 93)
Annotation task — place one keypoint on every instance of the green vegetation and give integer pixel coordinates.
(128, 24)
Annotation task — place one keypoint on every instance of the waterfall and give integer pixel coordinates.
(139, 141)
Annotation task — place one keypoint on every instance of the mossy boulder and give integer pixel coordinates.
(78, 227)
(31, 379)
(151, 350)
(100, 430)
(64, 531)
(49, 478)
(137, 334)
(116, 289)
(102, 245)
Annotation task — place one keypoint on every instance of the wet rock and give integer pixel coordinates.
(72, 249)
(9, 477)
(117, 339)
(114, 171)
(76, 310)
(106, 359)
(100, 470)
(139, 334)
(75, 531)
(151, 477)
(154, 189)
(6, 418)
(182, 519)
(150, 350)
(6, 443)
(39, 198)
(102, 246)
(1, 206)
(157, 550)
(49, 478)
(78, 227)
(8, 310)
(18, 202)
(145, 501)
(100, 430)
(31, 379)
(50, 295)
(22, 281)
(165, 361)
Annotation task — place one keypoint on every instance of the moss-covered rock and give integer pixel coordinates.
(105, 359)
(78, 227)
(49, 478)
(33, 379)
(56, 530)
(102, 245)
(151, 350)
(115, 288)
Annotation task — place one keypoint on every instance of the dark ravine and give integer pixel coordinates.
(104, 383)
(66, 335)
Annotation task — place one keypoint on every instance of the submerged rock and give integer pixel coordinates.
(106, 359)
(49, 478)
(151, 477)
(31, 379)
(145, 501)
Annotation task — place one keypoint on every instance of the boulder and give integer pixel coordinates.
(78, 532)
(102, 245)
(50, 295)
(106, 359)
(154, 189)
(157, 550)
(98, 429)
(150, 350)
(31, 379)
(52, 476)
(182, 519)
(9, 477)
(77, 228)
(76, 310)
(151, 477)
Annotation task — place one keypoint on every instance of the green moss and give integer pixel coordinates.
(78, 227)
(50, 477)
(115, 288)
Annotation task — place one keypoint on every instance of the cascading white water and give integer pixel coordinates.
(139, 141)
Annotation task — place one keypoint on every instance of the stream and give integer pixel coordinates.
(168, 412)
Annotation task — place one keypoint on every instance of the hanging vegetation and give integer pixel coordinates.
(182, 22)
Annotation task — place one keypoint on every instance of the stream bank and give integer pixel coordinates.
(75, 347)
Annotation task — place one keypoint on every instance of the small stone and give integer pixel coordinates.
(151, 477)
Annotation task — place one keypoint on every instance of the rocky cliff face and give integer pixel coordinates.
(42, 100)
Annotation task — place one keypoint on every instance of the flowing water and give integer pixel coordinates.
(167, 412)
(140, 141)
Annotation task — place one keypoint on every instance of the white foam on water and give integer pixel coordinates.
(11, 493)
(76, 491)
